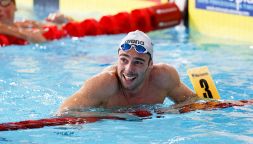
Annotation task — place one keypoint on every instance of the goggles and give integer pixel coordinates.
(5, 3)
(138, 48)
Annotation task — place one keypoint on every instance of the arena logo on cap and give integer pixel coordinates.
(135, 42)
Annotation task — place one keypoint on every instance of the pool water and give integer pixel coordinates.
(36, 78)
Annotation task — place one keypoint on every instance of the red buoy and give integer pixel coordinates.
(91, 27)
(141, 18)
(165, 15)
(108, 25)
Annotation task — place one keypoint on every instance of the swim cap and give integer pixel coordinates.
(139, 38)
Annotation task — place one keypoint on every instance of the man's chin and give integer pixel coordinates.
(128, 87)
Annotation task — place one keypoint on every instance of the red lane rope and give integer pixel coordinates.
(32, 124)
(211, 105)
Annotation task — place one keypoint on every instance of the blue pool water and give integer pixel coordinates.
(35, 79)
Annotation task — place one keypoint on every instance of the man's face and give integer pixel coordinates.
(132, 68)
(7, 11)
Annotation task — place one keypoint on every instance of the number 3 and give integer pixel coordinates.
(204, 84)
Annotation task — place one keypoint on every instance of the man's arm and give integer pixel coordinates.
(94, 93)
(33, 36)
(178, 91)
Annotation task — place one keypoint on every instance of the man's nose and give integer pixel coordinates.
(129, 67)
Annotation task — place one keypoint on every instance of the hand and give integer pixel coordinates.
(58, 18)
(29, 24)
(33, 36)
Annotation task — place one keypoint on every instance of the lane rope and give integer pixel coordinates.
(32, 124)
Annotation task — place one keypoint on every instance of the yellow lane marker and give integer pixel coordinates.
(203, 83)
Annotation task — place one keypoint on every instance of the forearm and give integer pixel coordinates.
(31, 35)
(10, 30)
(126, 116)
(79, 101)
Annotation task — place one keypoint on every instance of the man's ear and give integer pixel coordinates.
(150, 65)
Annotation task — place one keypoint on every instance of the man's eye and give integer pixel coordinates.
(123, 60)
(138, 63)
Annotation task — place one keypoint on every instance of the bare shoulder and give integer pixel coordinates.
(164, 75)
(105, 83)
(165, 68)
(110, 69)
(164, 71)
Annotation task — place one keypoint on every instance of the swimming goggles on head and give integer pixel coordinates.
(138, 48)
(5, 3)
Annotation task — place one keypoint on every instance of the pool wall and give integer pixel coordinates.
(226, 19)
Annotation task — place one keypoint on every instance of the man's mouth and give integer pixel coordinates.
(129, 77)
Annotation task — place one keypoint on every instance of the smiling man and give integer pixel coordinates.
(134, 80)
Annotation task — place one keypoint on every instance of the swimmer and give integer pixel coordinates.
(29, 30)
(134, 80)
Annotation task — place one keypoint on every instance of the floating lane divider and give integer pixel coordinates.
(145, 19)
(32, 124)
(212, 105)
